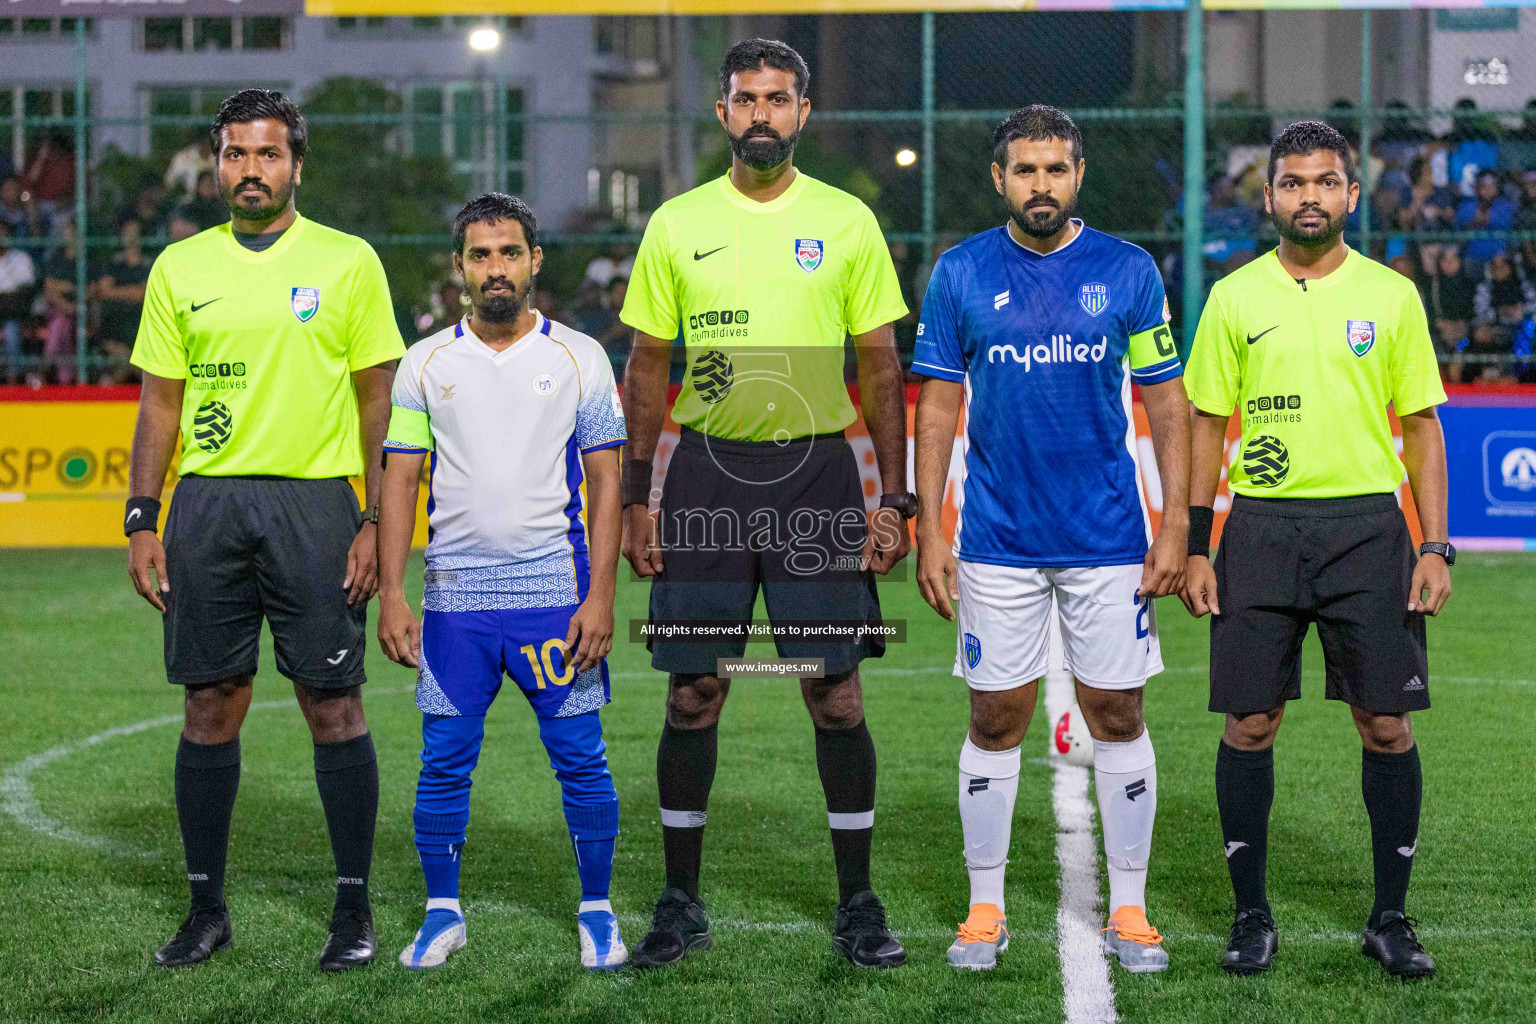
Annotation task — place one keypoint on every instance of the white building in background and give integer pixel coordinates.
(1485, 54)
(564, 68)
(1306, 60)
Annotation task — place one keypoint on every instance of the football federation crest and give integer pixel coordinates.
(1094, 298)
(808, 253)
(305, 303)
(1361, 335)
(972, 650)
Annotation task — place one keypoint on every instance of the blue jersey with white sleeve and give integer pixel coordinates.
(1047, 347)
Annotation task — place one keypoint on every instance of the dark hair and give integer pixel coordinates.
(1036, 123)
(752, 54)
(1309, 137)
(493, 208)
(1416, 167)
(249, 105)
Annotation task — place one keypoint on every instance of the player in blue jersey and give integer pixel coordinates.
(515, 413)
(1039, 328)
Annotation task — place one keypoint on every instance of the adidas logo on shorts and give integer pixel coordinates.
(1414, 684)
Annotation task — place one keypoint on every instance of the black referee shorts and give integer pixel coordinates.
(789, 517)
(240, 548)
(1344, 563)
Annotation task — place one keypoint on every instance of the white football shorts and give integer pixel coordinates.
(1109, 637)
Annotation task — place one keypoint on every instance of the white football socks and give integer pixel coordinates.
(989, 783)
(442, 903)
(1125, 776)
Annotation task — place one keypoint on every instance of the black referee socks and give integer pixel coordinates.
(685, 772)
(207, 776)
(845, 759)
(347, 775)
(1245, 789)
(1393, 787)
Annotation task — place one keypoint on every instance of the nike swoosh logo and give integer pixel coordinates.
(1408, 851)
(196, 307)
(339, 655)
(1233, 847)
(700, 255)
(132, 515)
(1255, 337)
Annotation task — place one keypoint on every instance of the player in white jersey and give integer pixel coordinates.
(515, 413)
(1041, 327)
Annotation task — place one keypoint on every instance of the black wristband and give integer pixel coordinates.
(635, 483)
(141, 514)
(1201, 519)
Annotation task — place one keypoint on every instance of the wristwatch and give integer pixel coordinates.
(371, 514)
(904, 502)
(1441, 548)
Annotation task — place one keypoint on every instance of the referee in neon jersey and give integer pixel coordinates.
(269, 344)
(1310, 344)
(766, 272)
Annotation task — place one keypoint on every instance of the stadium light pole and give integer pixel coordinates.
(80, 225)
(487, 40)
(930, 154)
(1365, 132)
(1194, 168)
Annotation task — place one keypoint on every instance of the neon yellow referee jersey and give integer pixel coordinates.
(1311, 370)
(764, 296)
(267, 343)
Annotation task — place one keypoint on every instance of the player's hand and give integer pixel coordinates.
(1163, 572)
(146, 562)
(399, 632)
(640, 543)
(1199, 593)
(590, 637)
(888, 541)
(938, 575)
(1431, 585)
(362, 580)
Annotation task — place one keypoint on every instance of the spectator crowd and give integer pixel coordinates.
(39, 268)
(1454, 212)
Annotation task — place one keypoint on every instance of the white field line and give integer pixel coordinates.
(1088, 994)
(877, 670)
(18, 799)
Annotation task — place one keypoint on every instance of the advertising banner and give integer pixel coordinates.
(1490, 444)
(143, 8)
(64, 468)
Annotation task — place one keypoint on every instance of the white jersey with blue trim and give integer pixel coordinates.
(1047, 347)
(506, 433)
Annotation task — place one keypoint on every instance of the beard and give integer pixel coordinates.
(761, 148)
(1039, 220)
(501, 309)
(240, 206)
(1310, 238)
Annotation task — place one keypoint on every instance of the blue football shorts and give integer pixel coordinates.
(466, 655)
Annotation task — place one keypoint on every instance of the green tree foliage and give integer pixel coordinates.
(356, 179)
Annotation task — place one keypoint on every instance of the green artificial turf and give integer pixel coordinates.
(91, 877)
